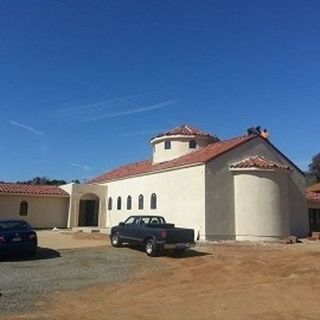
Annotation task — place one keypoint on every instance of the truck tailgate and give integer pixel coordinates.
(179, 235)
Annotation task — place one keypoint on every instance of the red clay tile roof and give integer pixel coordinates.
(185, 130)
(314, 188)
(313, 196)
(36, 190)
(202, 155)
(258, 162)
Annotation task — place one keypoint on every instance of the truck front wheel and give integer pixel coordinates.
(115, 240)
(151, 248)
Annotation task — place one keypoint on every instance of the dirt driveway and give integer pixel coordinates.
(59, 240)
(219, 281)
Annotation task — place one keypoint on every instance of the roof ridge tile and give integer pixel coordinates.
(31, 189)
(258, 161)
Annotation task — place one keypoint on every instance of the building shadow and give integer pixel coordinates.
(42, 254)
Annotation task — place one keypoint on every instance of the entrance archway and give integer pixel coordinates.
(89, 210)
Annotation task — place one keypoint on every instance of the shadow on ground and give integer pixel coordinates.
(42, 254)
(171, 253)
(185, 254)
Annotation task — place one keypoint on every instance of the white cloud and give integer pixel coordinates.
(132, 111)
(141, 133)
(25, 127)
(80, 166)
(85, 107)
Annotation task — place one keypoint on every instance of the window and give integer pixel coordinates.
(140, 206)
(192, 144)
(157, 220)
(314, 219)
(110, 204)
(119, 203)
(132, 221)
(152, 220)
(314, 216)
(167, 144)
(145, 220)
(129, 203)
(153, 201)
(23, 208)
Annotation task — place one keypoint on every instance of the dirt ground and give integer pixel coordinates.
(58, 240)
(218, 281)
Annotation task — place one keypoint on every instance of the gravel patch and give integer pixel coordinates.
(24, 282)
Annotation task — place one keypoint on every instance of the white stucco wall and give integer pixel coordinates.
(79, 192)
(180, 197)
(261, 204)
(220, 219)
(43, 211)
(179, 147)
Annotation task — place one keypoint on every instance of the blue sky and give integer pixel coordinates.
(85, 84)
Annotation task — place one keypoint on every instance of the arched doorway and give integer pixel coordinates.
(89, 210)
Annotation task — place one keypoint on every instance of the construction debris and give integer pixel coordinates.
(315, 236)
(290, 240)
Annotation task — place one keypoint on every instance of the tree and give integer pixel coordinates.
(43, 181)
(313, 174)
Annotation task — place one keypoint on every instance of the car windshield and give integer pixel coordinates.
(13, 225)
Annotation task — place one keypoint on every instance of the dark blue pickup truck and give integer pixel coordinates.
(152, 233)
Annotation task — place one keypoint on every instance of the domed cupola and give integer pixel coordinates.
(178, 142)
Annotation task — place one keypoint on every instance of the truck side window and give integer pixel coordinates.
(145, 220)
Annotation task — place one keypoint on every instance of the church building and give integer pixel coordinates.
(242, 188)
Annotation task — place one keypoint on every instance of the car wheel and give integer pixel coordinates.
(151, 248)
(115, 240)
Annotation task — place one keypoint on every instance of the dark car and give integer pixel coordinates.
(153, 234)
(17, 236)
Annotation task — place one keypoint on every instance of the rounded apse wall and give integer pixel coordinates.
(261, 204)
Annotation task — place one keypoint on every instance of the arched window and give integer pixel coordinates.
(140, 206)
(192, 144)
(167, 144)
(23, 208)
(129, 203)
(119, 203)
(110, 204)
(153, 201)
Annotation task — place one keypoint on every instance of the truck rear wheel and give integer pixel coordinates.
(115, 240)
(151, 248)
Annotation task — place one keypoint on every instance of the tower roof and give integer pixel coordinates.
(185, 130)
